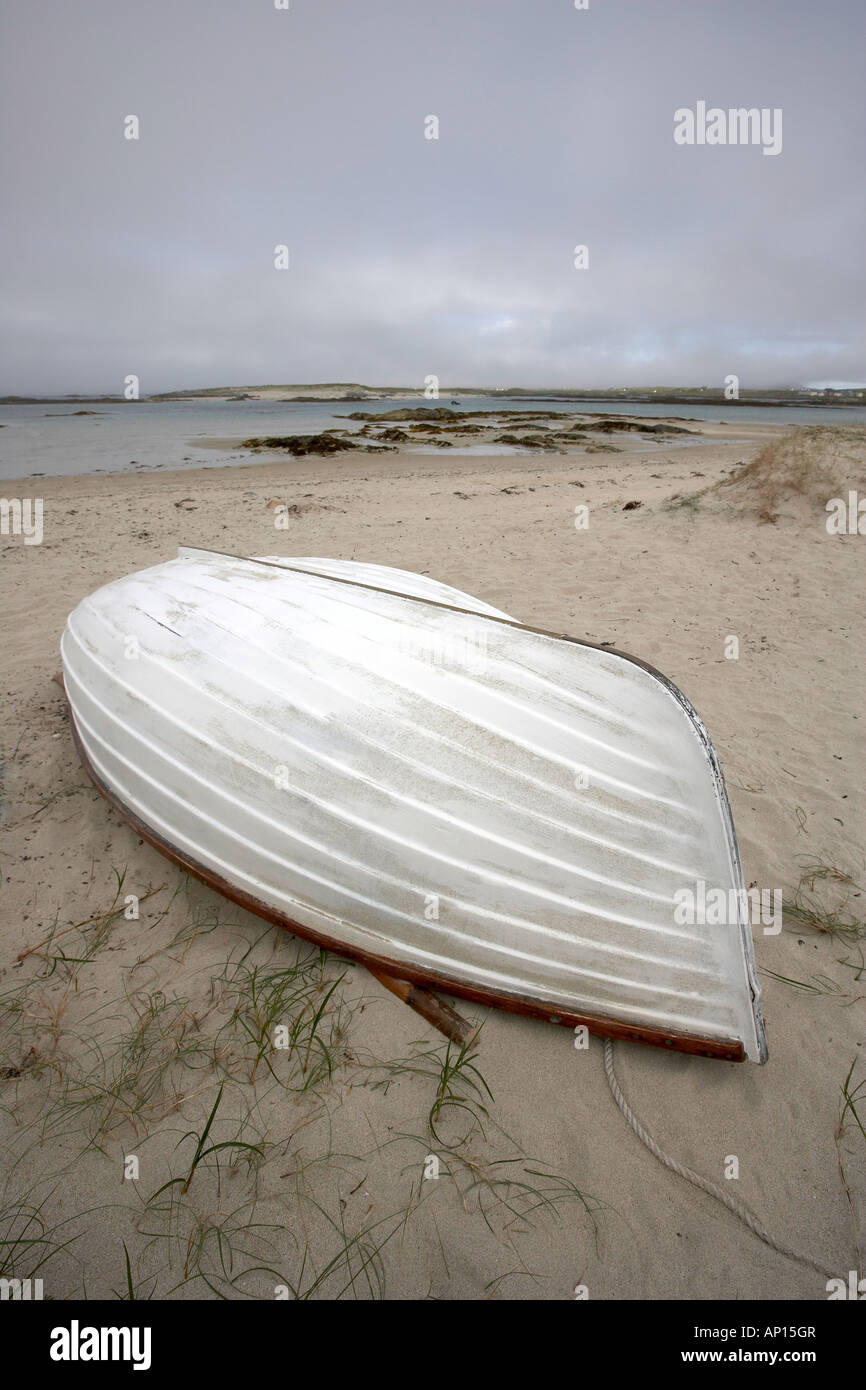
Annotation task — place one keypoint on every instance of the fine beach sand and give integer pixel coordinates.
(117, 1033)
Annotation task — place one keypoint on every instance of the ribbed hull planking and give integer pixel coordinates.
(397, 771)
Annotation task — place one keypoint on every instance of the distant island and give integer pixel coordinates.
(355, 391)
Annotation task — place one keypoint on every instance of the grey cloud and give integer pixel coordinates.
(412, 256)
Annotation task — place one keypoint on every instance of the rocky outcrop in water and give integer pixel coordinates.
(610, 425)
(302, 444)
(526, 441)
(393, 436)
(439, 412)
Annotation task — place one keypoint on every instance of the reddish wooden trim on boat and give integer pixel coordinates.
(730, 1051)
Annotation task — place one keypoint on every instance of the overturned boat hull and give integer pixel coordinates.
(409, 777)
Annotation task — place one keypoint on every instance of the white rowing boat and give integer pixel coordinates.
(408, 776)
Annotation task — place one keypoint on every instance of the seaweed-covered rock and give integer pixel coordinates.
(393, 436)
(526, 441)
(301, 444)
(611, 425)
(439, 412)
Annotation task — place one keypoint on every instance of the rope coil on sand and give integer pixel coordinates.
(740, 1211)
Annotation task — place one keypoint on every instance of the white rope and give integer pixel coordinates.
(740, 1211)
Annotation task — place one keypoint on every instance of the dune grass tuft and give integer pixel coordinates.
(822, 902)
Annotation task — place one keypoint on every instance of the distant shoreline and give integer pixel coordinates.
(354, 392)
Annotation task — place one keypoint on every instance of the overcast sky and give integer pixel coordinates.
(412, 256)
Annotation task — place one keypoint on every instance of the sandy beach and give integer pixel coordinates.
(120, 1035)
